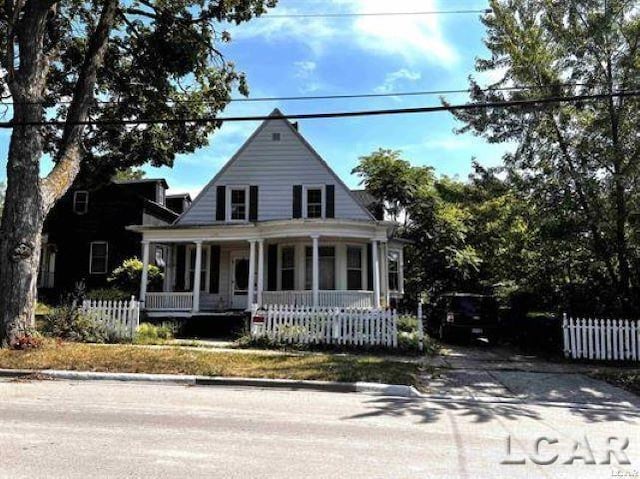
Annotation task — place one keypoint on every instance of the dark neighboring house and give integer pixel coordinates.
(85, 236)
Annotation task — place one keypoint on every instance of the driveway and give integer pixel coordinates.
(106, 429)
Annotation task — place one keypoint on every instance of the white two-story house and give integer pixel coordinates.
(275, 226)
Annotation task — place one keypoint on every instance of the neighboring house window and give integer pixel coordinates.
(46, 273)
(327, 268)
(98, 257)
(80, 202)
(238, 208)
(314, 203)
(354, 268)
(287, 268)
(394, 268)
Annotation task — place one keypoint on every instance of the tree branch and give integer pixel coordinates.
(70, 153)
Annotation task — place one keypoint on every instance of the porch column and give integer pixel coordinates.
(145, 271)
(401, 271)
(315, 276)
(260, 271)
(197, 273)
(376, 274)
(252, 274)
(384, 252)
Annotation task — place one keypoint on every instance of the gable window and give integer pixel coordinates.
(98, 257)
(327, 268)
(354, 268)
(80, 202)
(238, 204)
(314, 202)
(394, 269)
(287, 268)
(275, 136)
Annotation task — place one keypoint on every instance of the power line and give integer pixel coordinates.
(343, 114)
(373, 14)
(336, 97)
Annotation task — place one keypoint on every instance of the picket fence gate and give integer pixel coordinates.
(339, 326)
(601, 339)
(121, 317)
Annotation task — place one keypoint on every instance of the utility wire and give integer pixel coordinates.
(343, 114)
(336, 97)
(372, 14)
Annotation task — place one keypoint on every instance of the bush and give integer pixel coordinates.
(108, 294)
(127, 276)
(68, 323)
(43, 309)
(152, 334)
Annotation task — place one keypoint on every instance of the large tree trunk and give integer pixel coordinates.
(21, 228)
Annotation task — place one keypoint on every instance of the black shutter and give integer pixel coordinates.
(369, 267)
(253, 203)
(331, 201)
(272, 267)
(214, 280)
(180, 265)
(221, 198)
(297, 201)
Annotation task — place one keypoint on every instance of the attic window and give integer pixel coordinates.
(275, 136)
(80, 202)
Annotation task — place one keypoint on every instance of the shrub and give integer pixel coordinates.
(43, 309)
(127, 276)
(108, 294)
(152, 334)
(68, 323)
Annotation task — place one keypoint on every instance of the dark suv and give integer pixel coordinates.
(458, 314)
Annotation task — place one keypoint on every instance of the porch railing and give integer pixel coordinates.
(326, 299)
(168, 301)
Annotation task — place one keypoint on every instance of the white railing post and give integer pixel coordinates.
(376, 274)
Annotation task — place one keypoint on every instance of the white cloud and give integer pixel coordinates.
(394, 79)
(304, 69)
(415, 38)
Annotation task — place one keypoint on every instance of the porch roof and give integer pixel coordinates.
(272, 229)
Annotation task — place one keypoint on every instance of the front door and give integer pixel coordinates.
(239, 280)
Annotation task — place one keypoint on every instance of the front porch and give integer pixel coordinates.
(217, 274)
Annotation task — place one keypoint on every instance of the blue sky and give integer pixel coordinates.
(325, 56)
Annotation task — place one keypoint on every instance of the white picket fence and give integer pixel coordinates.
(308, 325)
(121, 317)
(601, 339)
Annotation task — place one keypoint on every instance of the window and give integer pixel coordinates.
(80, 202)
(327, 268)
(287, 268)
(98, 257)
(394, 268)
(354, 268)
(314, 202)
(275, 136)
(238, 204)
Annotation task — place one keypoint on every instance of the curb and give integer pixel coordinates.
(191, 380)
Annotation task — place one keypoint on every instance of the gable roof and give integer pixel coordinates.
(276, 114)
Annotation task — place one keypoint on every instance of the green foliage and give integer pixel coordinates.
(68, 323)
(153, 334)
(126, 277)
(129, 174)
(107, 294)
(576, 163)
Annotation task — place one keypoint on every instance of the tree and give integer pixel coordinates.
(129, 174)
(576, 163)
(110, 60)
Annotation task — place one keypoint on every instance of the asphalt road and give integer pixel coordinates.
(103, 429)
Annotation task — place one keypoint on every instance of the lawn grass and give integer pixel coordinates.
(136, 359)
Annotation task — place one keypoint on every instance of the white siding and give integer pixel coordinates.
(275, 166)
